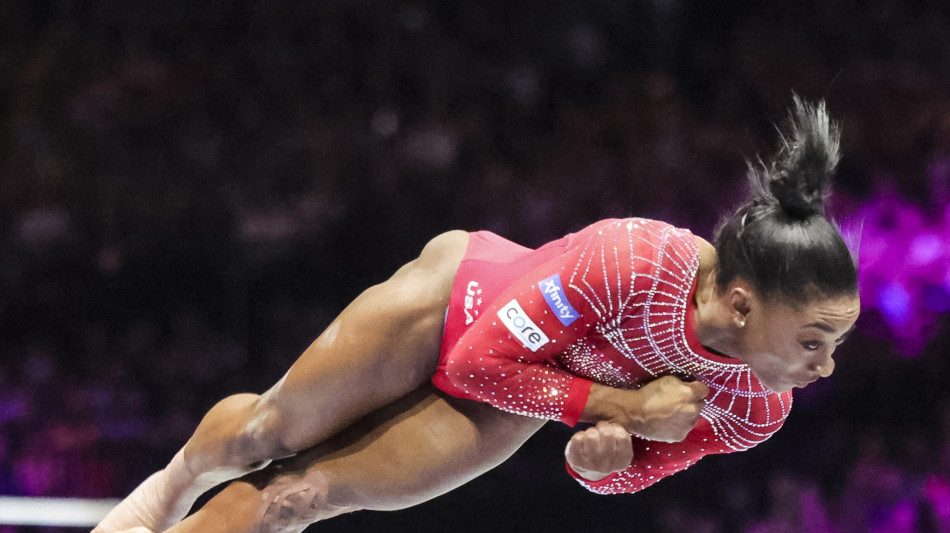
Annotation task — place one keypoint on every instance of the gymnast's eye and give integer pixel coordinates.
(811, 346)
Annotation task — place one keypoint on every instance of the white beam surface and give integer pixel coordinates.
(53, 511)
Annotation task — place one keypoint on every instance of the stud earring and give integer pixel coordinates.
(740, 322)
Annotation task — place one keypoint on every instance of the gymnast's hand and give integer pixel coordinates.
(599, 451)
(664, 410)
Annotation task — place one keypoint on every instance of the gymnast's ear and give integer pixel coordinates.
(740, 298)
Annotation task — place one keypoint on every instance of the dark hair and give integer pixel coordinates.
(780, 240)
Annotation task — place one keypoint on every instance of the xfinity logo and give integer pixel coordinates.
(471, 300)
(554, 294)
(517, 322)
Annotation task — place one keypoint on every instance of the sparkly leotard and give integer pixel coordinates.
(528, 331)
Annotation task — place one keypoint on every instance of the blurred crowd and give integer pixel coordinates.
(190, 191)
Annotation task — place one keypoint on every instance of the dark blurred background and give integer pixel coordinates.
(191, 190)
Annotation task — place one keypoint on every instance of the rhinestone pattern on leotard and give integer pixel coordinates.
(632, 281)
(643, 320)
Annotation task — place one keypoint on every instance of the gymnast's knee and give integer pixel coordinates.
(292, 502)
(238, 435)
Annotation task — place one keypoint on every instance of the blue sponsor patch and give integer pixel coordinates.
(553, 293)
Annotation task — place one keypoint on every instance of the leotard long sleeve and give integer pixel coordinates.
(528, 331)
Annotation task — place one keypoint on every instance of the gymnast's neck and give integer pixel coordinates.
(712, 313)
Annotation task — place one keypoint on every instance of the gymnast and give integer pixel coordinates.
(671, 347)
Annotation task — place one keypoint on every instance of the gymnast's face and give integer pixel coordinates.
(787, 347)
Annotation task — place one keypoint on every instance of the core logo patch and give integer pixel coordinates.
(522, 327)
(553, 293)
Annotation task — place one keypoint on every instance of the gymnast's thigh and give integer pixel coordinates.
(406, 453)
(384, 345)
(421, 447)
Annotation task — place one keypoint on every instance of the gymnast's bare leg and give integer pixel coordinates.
(383, 346)
(422, 446)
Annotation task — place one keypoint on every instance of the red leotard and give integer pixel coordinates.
(528, 331)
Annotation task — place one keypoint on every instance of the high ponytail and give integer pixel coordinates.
(779, 239)
(799, 176)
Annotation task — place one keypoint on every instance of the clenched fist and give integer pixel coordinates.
(670, 409)
(664, 410)
(597, 452)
